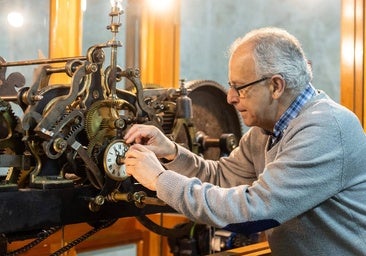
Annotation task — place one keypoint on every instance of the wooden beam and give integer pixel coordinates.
(159, 48)
(352, 57)
(65, 35)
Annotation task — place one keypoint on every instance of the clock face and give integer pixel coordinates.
(114, 158)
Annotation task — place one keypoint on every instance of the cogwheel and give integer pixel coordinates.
(96, 143)
(168, 117)
(16, 176)
(12, 175)
(10, 135)
(102, 115)
(23, 178)
(8, 120)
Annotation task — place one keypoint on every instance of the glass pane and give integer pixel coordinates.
(95, 21)
(124, 250)
(24, 30)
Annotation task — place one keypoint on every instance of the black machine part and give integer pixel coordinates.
(208, 130)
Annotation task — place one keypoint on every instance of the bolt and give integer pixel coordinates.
(59, 145)
(91, 68)
(119, 123)
(37, 97)
(99, 200)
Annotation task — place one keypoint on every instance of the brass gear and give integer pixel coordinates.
(8, 120)
(103, 114)
(17, 176)
(9, 133)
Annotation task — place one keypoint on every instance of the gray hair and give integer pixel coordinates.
(275, 51)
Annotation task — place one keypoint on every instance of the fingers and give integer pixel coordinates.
(134, 149)
(142, 164)
(133, 157)
(134, 152)
(137, 133)
(151, 137)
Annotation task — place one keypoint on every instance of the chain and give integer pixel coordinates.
(41, 236)
(83, 237)
(46, 233)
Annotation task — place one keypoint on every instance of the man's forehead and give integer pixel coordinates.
(242, 57)
(243, 51)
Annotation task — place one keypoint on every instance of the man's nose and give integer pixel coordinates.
(232, 97)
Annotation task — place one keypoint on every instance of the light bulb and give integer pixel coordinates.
(160, 5)
(116, 4)
(15, 19)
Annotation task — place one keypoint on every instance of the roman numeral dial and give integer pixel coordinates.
(114, 157)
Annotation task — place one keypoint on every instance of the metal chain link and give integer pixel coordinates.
(83, 237)
(41, 236)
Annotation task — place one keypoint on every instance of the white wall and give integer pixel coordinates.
(208, 27)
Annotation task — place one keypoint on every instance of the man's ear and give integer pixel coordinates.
(278, 85)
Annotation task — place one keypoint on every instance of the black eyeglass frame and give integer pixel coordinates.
(241, 87)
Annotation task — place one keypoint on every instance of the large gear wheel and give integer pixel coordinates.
(8, 120)
(103, 115)
(9, 137)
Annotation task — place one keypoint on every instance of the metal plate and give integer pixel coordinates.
(211, 112)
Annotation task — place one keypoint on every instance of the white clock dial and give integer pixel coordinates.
(114, 157)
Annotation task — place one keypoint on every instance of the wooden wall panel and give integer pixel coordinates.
(66, 28)
(159, 45)
(352, 57)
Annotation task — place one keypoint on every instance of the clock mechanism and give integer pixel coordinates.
(114, 160)
(63, 146)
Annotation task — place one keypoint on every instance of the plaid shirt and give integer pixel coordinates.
(291, 113)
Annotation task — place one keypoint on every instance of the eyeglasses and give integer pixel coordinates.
(240, 87)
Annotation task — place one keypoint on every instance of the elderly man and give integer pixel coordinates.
(299, 173)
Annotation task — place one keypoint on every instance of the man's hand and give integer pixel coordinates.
(143, 165)
(153, 139)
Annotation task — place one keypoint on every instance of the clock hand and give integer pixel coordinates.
(117, 153)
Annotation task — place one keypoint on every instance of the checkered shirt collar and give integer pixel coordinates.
(292, 111)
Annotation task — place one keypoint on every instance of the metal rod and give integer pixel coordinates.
(152, 201)
(9, 98)
(121, 196)
(56, 70)
(40, 61)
